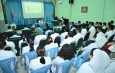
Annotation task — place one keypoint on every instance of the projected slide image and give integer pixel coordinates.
(30, 8)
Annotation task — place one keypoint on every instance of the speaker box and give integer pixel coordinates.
(71, 1)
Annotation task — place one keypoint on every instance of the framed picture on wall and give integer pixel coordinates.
(84, 9)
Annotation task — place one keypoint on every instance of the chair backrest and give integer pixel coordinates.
(73, 45)
(8, 48)
(9, 34)
(79, 43)
(64, 67)
(42, 70)
(111, 38)
(52, 53)
(78, 61)
(42, 42)
(43, 26)
(27, 57)
(86, 36)
(8, 65)
(57, 40)
(26, 32)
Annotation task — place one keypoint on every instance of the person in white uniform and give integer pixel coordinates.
(64, 34)
(9, 29)
(72, 27)
(110, 32)
(92, 30)
(40, 21)
(104, 26)
(5, 54)
(40, 61)
(68, 40)
(50, 44)
(55, 34)
(8, 43)
(48, 30)
(83, 30)
(65, 54)
(99, 63)
(25, 28)
(15, 35)
(78, 35)
(30, 47)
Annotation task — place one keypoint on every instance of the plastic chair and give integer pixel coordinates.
(42, 70)
(64, 67)
(52, 53)
(57, 40)
(27, 57)
(8, 65)
(78, 61)
(86, 36)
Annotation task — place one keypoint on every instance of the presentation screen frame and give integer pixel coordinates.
(33, 9)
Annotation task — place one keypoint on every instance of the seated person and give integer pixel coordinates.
(99, 63)
(55, 34)
(9, 29)
(104, 26)
(25, 28)
(72, 27)
(40, 61)
(9, 43)
(83, 30)
(15, 35)
(30, 47)
(33, 26)
(5, 54)
(23, 40)
(48, 30)
(65, 54)
(40, 21)
(50, 44)
(13, 25)
(39, 30)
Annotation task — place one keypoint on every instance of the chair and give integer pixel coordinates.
(43, 26)
(52, 53)
(42, 42)
(57, 40)
(23, 44)
(78, 61)
(79, 43)
(8, 48)
(26, 32)
(9, 34)
(27, 57)
(50, 25)
(111, 38)
(8, 65)
(42, 70)
(73, 45)
(86, 36)
(64, 67)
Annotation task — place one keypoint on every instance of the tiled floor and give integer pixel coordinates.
(21, 68)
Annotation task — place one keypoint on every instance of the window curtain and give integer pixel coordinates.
(14, 12)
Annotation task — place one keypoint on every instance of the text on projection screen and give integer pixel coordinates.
(33, 9)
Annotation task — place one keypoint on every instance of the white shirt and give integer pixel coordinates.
(67, 41)
(72, 29)
(77, 37)
(9, 30)
(20, 42)
(35, 63)
(53, 36)
(40, 22)
(92, 32)
(38, 38)
(83, 32)
(15, 36)
(100, 34)
(46, 32)
(13, 24)
(51, 45)
(12, 45)
(25, 28)
(109, 34)
(104, 27)
(63, 35)
(6, 54)
(27, 48)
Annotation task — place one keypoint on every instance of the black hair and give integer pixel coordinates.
(25, 26)
(92, 23)
(56, 30)
(31, 44)
(49, 40)
(70, 33)
(91, 52)
(47, 27)
(38, 25)
(100, 23)
(83, 26)
(9, 27)
(41, 52)
(111, 27)
(66, 29)
(66, 52)
(87, 22)
(4, 36)
(78, 29)
(79, 21)
(104, 23)
(99, 27)
(2, 44)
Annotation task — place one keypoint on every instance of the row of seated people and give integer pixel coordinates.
(64, 55)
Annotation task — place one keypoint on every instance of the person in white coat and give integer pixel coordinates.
(8, 43)
(83, 30)
(99, 63)
(50, 44)
(30, 47)
(40, 61)
(65, 54)
(5, 54)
